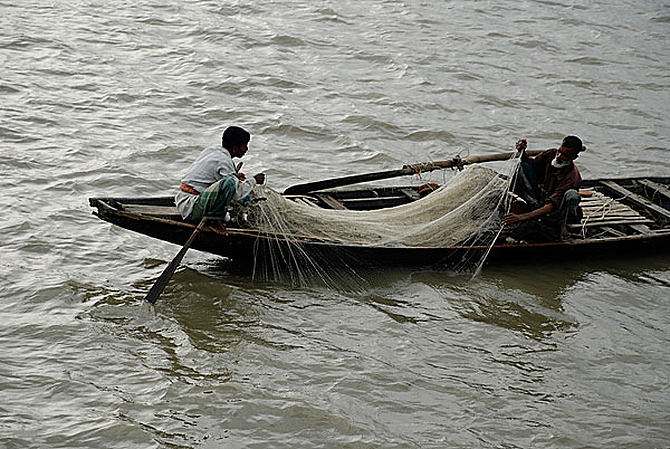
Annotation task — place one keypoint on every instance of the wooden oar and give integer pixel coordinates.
(406, 170)
(165, 276)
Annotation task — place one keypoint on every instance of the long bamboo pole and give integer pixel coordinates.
(406, 170)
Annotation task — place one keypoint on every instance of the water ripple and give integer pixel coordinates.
(116, 99)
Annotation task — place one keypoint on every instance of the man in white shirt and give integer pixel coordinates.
(213, 182)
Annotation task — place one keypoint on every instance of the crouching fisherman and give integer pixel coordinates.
(213, 183)
(547, 186)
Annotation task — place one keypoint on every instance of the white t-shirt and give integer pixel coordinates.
(212, 165)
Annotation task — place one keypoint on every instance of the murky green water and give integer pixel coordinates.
(116, 98)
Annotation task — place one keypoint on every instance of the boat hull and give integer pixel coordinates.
(249, 249)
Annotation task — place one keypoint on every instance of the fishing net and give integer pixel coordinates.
(466, 211)
(449, 215)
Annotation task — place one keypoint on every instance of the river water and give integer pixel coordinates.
(116, 98)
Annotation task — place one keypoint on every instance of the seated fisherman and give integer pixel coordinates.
(548, 185)
(213, 182)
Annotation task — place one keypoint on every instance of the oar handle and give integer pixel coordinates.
(409, 169)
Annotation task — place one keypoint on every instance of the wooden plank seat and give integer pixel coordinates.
(169, 212)
(639, 201)
(656, 188)
(305, 200)
(603, 211)
(331, 201)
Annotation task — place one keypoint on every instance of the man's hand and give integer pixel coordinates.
(537, 213)
(511, 219)
(521, 145)
(260, 178)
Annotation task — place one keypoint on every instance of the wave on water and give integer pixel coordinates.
(116, 99)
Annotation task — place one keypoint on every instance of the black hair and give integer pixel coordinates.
(574, 143)
(234, 135)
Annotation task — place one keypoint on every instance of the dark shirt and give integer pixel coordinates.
(554, 182)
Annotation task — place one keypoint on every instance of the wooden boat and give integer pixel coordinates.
(621, 216)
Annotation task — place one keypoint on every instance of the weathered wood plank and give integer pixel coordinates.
(594, 199)
(306, 202)
(614, 217)
(619, 208)
(603, 219)
(611, 211)
(377, 192)
(151, 210)
(608, 210)
(411, 194)
(598, 202)
(332, 202)
(592, 223)
(611, 214)
(637, 199)
(658, 188)
(642, 229)
(612, 205)
(615, 232)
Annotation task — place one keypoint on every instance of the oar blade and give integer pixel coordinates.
(166, 275)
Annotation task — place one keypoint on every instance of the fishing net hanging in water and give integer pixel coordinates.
(464, 208)
(465, 212)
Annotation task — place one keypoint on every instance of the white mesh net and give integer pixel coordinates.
(450, 215)
(466, 211)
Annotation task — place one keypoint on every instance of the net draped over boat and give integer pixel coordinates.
(466, 208)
